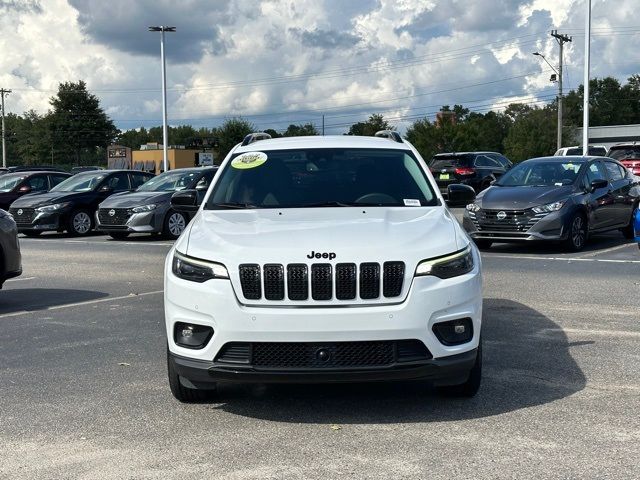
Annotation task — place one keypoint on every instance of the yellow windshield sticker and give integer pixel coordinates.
(249, 160)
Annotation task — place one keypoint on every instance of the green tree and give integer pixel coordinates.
(78, 125)
(424, 136)
(231, 133)
(273, 133)
(532, 134)
(308, 129)
(134, 138)
(375, 123)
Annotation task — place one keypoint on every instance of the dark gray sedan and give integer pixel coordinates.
(10, 258)
(148, 209)
(555, 199)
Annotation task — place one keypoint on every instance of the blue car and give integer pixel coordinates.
(636, 226)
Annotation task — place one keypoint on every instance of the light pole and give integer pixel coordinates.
(3, 92)
(559, 74)
(165, 135)
(587, 66)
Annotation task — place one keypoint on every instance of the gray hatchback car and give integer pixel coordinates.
(10, 258)
(148, 209)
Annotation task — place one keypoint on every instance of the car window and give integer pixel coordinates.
(485, 161)
(56, 179)
(625, 153)
(139, 179)
(323, 177)
(442, 161)
(503, 161)
(614, 171)
(118, 182)
(595, 172)
(203, 183)
(541, 174)
(38, 183)
(9, 181)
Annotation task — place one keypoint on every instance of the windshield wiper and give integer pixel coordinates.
(233, 205)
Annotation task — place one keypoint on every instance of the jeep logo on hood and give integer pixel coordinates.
(329, 255)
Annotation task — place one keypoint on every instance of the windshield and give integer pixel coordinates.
(541, 174)
(626, 153)
(169, 182)
(82, 182)
(8, 182)
(322, 178)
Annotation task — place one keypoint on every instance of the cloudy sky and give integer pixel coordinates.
(276, 62)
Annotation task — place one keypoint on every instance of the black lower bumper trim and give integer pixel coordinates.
(440, 370)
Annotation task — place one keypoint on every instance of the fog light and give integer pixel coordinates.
(191, 336)
(454, 332)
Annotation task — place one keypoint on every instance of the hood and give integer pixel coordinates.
(135, 199)
(346, 235)
(32, 200)
(521, 198)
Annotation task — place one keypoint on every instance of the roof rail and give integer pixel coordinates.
(254, 137)
(390, 134)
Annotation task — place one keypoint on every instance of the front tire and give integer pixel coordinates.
(79, 223)
(179, 391)
(471, 386)
(577, 236)
(174, 224)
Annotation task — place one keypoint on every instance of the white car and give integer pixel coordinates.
(323, 259)
(594, 151)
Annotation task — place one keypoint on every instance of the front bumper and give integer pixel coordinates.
(551, 227)
(44, 222)
(449, 370)
(430, 300)
(146, 222)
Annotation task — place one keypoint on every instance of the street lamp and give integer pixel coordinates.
(559, 77)
(165, 135)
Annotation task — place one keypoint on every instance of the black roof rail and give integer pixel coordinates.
(254, 137)
(390, 134)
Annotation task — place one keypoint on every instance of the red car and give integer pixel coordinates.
(628, 154)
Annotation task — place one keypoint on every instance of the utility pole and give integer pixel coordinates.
(3, 92)
(561, 39)
(587, 68)
(323, 124)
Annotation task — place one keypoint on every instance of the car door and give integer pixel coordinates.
(489, 169)
(600, 201)
(620, 189)
(36, 183)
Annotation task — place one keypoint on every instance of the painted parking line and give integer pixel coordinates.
(606, 250)
(559, 259)
(21, 279)
(81, 304)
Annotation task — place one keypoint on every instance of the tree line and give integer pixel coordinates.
(76, 130)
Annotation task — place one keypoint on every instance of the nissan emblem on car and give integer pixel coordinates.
(501, 215)
(112, 212)
(20, 212)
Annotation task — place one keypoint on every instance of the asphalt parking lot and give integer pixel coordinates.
(84, 391)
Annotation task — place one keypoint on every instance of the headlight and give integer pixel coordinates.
(52, 208)
(197, 270)
(473, 207)
(551, 207)
(144, 208)
(449, 266)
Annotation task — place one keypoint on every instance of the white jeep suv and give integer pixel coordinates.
(323, 259)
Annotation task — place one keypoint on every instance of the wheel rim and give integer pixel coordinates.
(577, 232)
(81, 223)
(176, 224)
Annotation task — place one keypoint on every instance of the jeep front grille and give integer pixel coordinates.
(322, 281)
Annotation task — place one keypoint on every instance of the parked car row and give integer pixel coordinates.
(117, 202)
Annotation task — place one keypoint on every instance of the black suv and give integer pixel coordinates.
(476, 169)
(15, 185)
(72, 204)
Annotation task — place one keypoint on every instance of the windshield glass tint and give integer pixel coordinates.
(450, 161)
(169, 182)
(82, 182)
(322, 177)
(541, 174)
(626, 153)
(8, 182)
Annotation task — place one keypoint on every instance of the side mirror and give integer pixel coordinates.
(185, 201)
(597, 184)
(106, 189)
(460, 194)
(24, 189)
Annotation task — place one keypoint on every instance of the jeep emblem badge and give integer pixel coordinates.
(20, 212)
(501, 215)
(329, 255)
(112, 212)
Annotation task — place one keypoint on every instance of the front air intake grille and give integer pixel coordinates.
(323, 355)
(369, 281)
(346, 281)
(352, 281)
(321, 281)
(114, 216)
(274, 282)
(250, 281)
(23, 216)
(298, 281)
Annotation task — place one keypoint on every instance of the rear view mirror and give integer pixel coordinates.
(460, 194)
(185, 201)
(597, 184)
